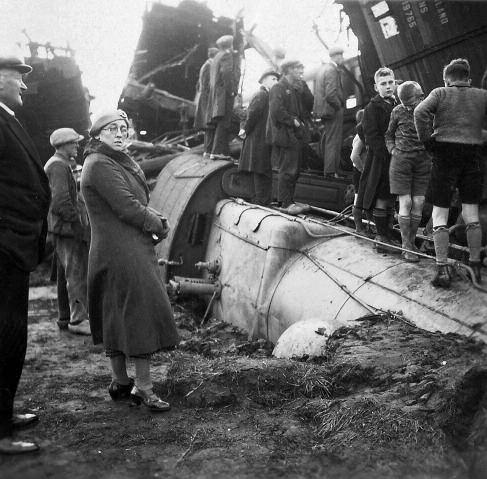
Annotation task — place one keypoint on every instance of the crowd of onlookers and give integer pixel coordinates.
(418, 149)
(406, 146)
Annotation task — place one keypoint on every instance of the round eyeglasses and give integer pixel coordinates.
(114, 129)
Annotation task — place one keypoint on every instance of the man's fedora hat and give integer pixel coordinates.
(14, 63)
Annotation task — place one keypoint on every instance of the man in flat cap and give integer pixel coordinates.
(329, 104)
(223, 89)
(202, 116)
(290, 103)
(255, 156)
(24, 202)
(68, 229)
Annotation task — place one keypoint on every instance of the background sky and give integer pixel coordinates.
(104, 33)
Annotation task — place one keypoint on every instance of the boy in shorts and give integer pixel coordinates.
(449, 122)
(374, 191)
(410, 165)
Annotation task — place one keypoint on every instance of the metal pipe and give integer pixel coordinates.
(197, 286)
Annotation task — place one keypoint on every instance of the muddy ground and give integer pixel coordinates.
(387, 401)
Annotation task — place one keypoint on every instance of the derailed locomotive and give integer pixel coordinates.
(265, 271)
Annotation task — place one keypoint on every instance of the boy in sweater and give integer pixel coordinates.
(449, 123)
(410, 165)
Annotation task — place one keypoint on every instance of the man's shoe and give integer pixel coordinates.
(476, 265)
(442, 278)
(80, 328)
(21, 421)
(9, 446)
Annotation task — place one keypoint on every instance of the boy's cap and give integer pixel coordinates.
(407, 92)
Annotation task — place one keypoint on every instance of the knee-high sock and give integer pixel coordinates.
(142, 374)
(357, 218)
(119, 369)
(415, 221)
(441, 239)
(405, 226)
(381, 222)
(474, 240)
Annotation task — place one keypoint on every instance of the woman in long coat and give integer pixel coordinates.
(128, 305)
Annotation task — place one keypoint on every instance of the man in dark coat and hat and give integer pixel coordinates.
(24, 203)
(290, 103)
(223, 89)
(202, 118)
(256, 153)
(328, 105)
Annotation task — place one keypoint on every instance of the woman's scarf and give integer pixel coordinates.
(124, 160)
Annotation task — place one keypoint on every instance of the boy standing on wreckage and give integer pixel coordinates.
(449, 122)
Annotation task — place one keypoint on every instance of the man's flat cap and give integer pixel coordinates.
(288, 64)
(225, 42)
(336, 50)
(61, 136)
(14, 63)
(268, 73)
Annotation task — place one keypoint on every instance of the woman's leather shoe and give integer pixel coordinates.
(119, 392)
(152, 401)
(9, 446)
(21, 421)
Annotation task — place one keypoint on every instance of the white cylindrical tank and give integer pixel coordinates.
(278, 270)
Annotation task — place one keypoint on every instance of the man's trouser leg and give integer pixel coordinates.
(209, 136)
(220, 142)
(262, 188)
(333, 143)
(14, 294)
(72, 255)
(289, 160)
(62, 293)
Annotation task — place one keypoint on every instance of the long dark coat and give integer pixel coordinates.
(128, 304)
(286, 103)
(375, 177)
(203, 96)
(24, 196)
(222, 87)
(328, 92)
(256, 153)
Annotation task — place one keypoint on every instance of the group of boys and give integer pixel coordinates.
(424, 148)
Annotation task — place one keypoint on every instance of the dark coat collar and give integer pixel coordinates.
(21, 135)
(380, 102)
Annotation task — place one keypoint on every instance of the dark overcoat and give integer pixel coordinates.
(287, 103)
(222, 87)
(24, 196)
(256, 153)
(374, 182)
(328, 92)
(203, 96)
(127, 300)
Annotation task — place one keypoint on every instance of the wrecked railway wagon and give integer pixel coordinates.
(277, 275)
(55, 95)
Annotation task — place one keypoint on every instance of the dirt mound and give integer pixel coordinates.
(386, 401)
